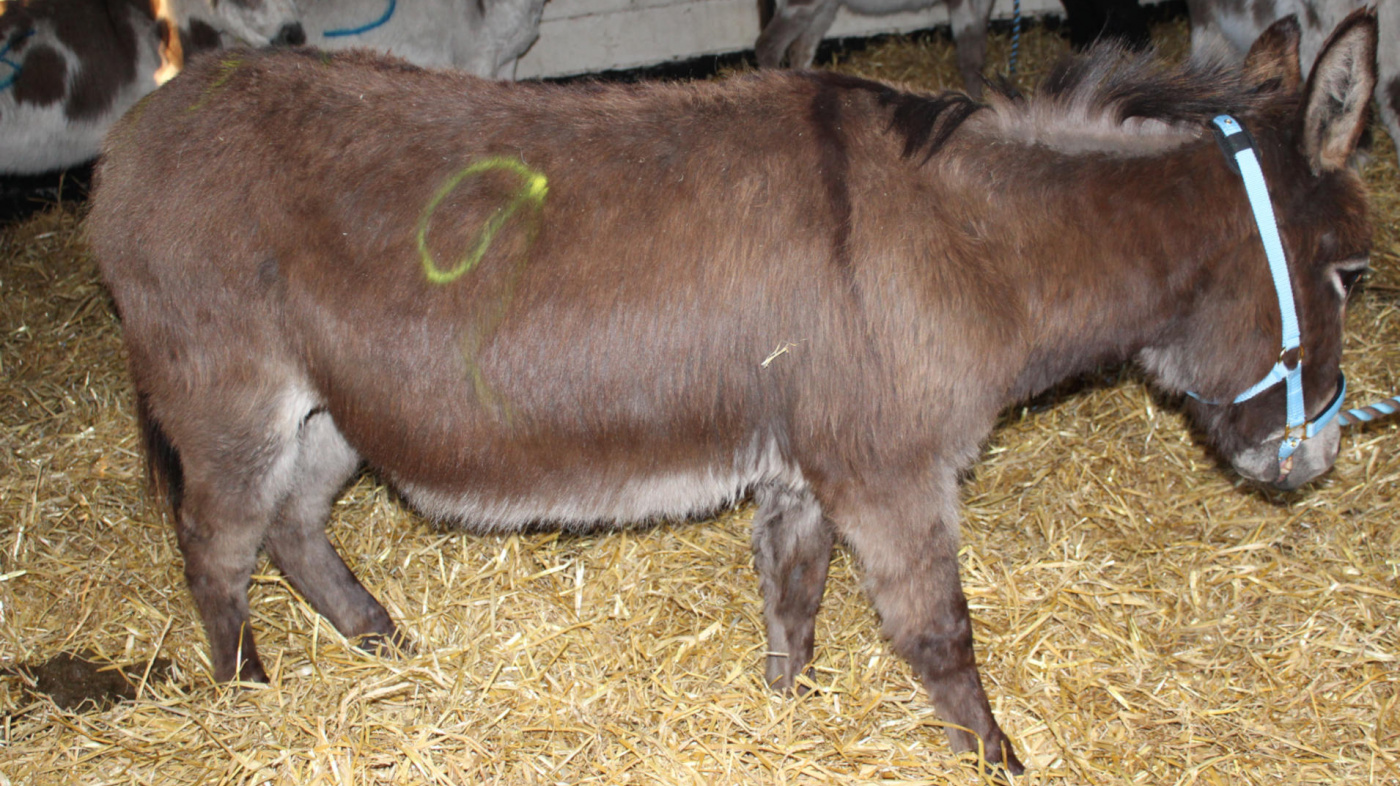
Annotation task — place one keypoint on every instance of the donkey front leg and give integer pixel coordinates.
(911, 568)
(792, 551)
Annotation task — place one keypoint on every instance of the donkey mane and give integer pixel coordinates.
(1115, 100)
(1108, 100)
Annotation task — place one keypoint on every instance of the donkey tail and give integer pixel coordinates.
(766, 10)
(163, 469)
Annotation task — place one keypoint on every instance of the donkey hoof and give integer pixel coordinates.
(796, 689)
(1000, 766)
(249, 671)
(393, 645)
(799, 685)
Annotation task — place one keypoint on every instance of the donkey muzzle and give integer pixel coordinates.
(1313, 457)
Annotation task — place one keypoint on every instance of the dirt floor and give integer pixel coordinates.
(1142, 616)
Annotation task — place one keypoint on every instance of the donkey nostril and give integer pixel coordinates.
(290, 35)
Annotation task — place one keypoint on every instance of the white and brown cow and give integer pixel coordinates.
(69, 68)
(482, 37)
(1231, 25)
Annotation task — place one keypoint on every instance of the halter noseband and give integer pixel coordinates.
(1239, 150)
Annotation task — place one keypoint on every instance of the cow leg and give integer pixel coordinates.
(297, 541)
(908, 547)
(969, 23)
(792, 550)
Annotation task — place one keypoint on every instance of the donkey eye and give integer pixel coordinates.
(1349, 278)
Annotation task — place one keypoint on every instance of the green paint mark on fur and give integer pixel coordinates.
(489, 311)
(532, 193)
(228, 66)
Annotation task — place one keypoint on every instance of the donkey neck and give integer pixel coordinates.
(1119, 252)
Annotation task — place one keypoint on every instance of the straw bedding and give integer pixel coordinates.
(1141, 615)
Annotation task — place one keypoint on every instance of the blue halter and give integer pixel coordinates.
(1239, 147)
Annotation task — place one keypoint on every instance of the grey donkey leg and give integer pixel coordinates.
(969, 21)
(298, 545)
(803, 49)
(792, 550)
(793, 33)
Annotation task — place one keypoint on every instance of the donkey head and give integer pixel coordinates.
(1306, 134)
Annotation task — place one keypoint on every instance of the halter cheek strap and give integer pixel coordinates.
(1239, 149)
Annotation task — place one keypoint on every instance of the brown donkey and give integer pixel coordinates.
(530, 304)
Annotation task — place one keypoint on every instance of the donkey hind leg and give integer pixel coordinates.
(911, 567)
(969, 23)
(219, 537)
(230, 484)
(298, 545)
(792, 550)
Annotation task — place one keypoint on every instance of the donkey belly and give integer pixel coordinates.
(596, 489)
(583, 450)
(586, 501)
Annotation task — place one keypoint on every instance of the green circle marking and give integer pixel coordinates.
(532, 191)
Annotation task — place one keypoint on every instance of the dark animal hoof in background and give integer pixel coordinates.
(786, 685)
(994, 765)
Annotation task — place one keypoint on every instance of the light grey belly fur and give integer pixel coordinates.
(591, 505)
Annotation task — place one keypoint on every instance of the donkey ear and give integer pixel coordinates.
(1339, 92)
(1274, 56)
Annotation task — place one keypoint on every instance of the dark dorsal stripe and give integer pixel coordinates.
(835, 163)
